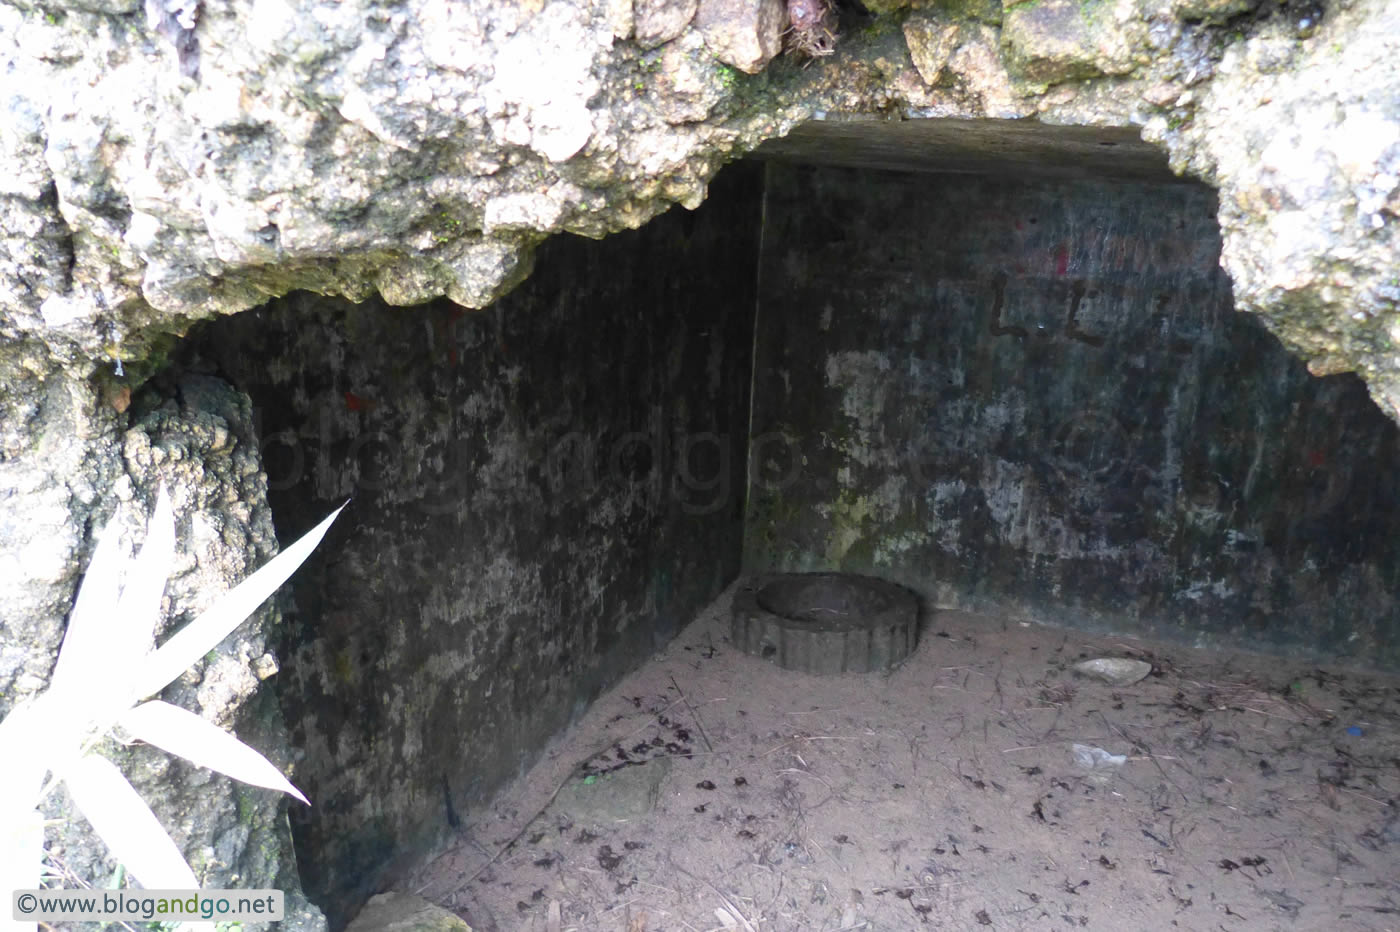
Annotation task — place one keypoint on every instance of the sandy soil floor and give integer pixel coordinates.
(712, 791)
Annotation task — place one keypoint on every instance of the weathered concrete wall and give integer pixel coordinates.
(1035, 396)
(542, 493)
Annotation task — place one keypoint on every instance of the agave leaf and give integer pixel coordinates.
(21, 850)
(31, 744)
(88, 641)
(185, 734)
(111, 631)
(139, 607)
(126, 824)
(203, 634)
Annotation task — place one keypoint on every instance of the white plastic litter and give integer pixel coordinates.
(1091, 758)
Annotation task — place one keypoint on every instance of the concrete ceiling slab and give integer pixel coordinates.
(1018, 147)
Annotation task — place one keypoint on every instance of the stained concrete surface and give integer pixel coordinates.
(1033, 396)
(1025, 396)
(1020, 148)
(541, 494)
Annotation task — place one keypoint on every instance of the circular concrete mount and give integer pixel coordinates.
(825, 622)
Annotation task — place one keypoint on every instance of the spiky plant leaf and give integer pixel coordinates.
(96, 678)
(203, 634)
(126, 824)
(88, 640)
(139, 608)
(21, 854)
(105, 645)
(186, 735)
(22, 775)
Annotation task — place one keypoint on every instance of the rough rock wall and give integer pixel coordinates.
(1033, 396)
(195, 437)
(344, 148)
(166, 163)
(1303, 140)
(543, 493)
(59, 455)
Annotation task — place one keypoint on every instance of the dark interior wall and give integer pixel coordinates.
(543, 492)
(1034, 397)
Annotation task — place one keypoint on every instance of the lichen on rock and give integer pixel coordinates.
(426, 150)
(1300, 132)
(1053, 41)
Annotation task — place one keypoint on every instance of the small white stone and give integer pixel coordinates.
(1115, 671)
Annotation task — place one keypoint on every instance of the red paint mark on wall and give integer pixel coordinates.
(1317, 458)
(1061, 259)
(355, 403)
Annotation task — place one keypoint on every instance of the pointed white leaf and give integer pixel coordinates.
(139, 608)
(126, 824)
(186, 735)
(87, 642)
(21, 852)
(30, 748)
(203, 634)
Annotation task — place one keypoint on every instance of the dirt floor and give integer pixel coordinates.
(713, 791)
